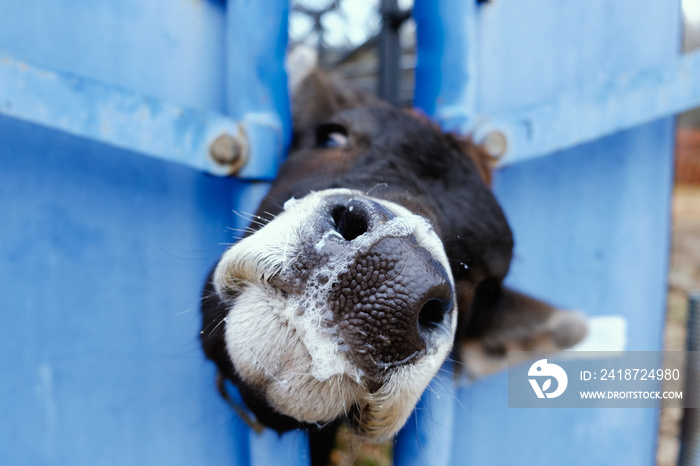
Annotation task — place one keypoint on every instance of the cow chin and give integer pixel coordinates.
(285, 334)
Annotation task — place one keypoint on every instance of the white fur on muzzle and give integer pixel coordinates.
(286, 345)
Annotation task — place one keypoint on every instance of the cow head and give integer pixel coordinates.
(379, 244)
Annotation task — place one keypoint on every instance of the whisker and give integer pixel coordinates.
(386, 185)
(252, 218)
(283, 382)
(243, 230)
(453, 396)
(225, 319)
(275, 201)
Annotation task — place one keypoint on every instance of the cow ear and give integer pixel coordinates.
(502, 321)
(483, 161)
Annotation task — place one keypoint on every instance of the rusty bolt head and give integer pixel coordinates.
(495, 144)
(229, 152)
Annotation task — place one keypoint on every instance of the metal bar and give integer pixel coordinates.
(445, 85)
(390, 51)
(130, 120)
(121, 118)
(147, 125)
(256, 82)
(587, 114)
(169, 49)
(256, 90)
(257, 101)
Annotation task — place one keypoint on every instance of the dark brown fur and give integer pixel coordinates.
(402, 157)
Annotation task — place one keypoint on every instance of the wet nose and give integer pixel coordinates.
(393, 297)
(355, 217)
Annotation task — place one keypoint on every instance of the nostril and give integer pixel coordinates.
(432, 313)
(349, 222)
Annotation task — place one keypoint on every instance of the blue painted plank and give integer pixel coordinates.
(591, 222)
(85, 99)
(137, 122)
(130, 121)
(118, 380)
(256, 39)
(595, 111)
(173, 50)
(429, 433)
(564, 76)
(591, 227)
(527, 51)
(509, 436)
(592, 230)
(103, 254)
(532, 50)
(256, 43)
(121, 118)
(446, 58)
(271, 449)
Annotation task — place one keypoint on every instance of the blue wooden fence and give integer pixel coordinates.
(110, 219)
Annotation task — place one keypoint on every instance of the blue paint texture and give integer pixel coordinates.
(110, 220)
(256, 40)
(208, 68)
(104, 251)
(590, 87)
(102, 257)
(591, 226)
(172, 50)
(120, 118)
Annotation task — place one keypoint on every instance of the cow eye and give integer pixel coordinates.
(331, 135)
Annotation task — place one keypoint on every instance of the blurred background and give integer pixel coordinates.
(684, 273)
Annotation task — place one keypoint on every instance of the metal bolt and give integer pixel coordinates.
(230, 152)
(495, 144)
